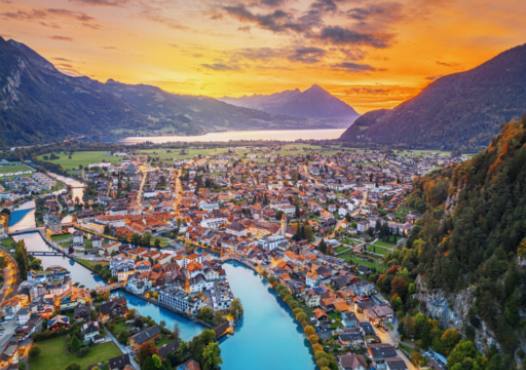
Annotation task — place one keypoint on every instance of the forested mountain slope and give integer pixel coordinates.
(470, 243)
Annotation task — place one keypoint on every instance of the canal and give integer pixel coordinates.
(268, 337)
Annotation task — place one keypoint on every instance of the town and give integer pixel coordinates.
(164, 225)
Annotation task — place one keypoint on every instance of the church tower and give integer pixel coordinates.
(283, 228)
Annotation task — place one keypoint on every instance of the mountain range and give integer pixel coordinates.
(314, 103)
(39, 104)
(459, 111)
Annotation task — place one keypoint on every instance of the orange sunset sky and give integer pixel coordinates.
(372, 54)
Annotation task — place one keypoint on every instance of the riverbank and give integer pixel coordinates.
(168, 308)
(273, 289)
(267, 326)
(22, 217)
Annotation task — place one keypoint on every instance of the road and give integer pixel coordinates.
(388, 337)
(178, 191)
(7, 329)
(124, 349)
(144, 169)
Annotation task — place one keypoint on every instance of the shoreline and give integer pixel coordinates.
(269, 135)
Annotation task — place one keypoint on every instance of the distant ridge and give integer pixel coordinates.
(315, 103)
(459, 111)
(39, 104)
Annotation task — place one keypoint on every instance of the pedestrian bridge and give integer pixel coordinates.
(45, 253)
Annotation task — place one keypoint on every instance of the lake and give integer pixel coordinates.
(256, 135)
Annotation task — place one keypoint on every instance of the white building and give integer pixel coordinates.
(272, 242)
(213, 223)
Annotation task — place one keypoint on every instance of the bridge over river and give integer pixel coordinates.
(44, 253)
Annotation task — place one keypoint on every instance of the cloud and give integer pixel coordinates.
(156, 15)
(355, 67)
(272, 3)
(44, 16)
(101, 2)
(378, 96)
(447, 64)
(317, 10)
(66, 13)
(345, 36)
(62, 59)
(314, 23)
(61, 38)
(307, 55)
(218, 66)
(276, 21)
(259, 54)
(352, 53)
(385, 12)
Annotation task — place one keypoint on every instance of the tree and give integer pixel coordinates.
(464, 356)
(153, 362)
(22, 259)
(211, 356)
(146, 239)
(236, 309)
(73, 367)
(136, 239)
(145, 352)
(206, 314)
(449, 340)
(322, 247)
(74, 344)
(34, 352)
(309, 330)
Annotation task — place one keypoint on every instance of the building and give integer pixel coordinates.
(213, 223)
(144, 336)
(352, 361)
(272, 242)
(119, 362)
(380, 353)
(179, 301)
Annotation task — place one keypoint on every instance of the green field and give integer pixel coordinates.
(179, 154)
(14, 168)
(422, 153)
(77, 159)
(63, 239)
(341, 249)
(381, 247)
(289, 150)
(351, 258)
(351, 241)
(54, 355)
(89, 263)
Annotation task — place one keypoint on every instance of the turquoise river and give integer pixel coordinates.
(266, 339)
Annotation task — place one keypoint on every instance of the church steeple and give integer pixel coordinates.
(283, 228)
